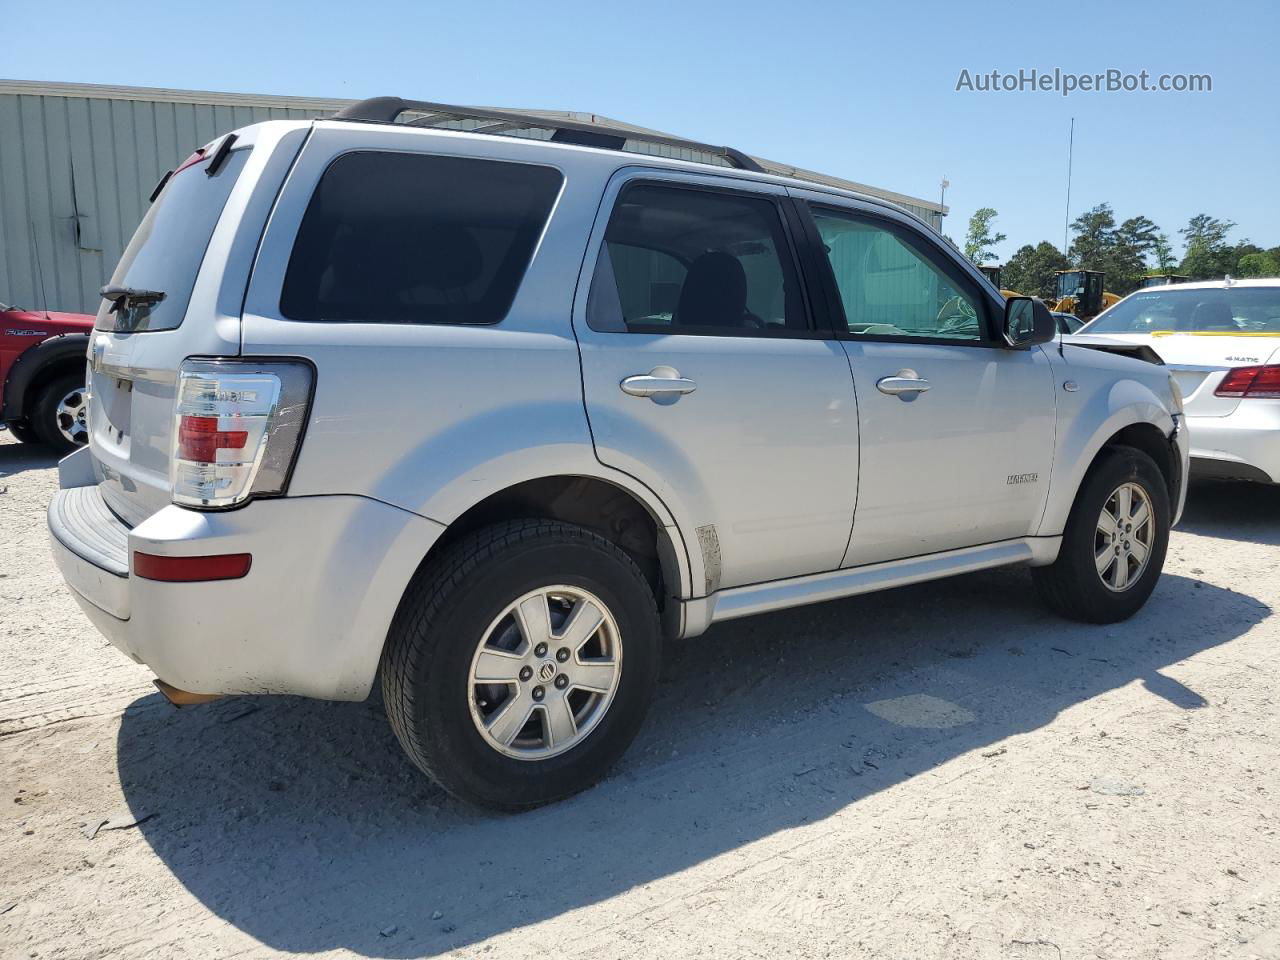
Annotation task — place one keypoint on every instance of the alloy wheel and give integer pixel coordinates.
(1125, 532)
(71, 416)
(545, 672)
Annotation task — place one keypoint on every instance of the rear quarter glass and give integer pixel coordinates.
(169, 245)
(416, 238)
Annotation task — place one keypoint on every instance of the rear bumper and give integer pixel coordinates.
(1244, 444)
(310, 617)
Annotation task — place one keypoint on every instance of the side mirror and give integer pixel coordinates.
(1027, 321)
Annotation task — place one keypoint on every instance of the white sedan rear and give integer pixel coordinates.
(1221, 339)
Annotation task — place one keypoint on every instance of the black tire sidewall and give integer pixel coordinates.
(1097, 602)
(458, 756)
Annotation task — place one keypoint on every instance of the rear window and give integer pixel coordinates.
(408, 238)
(1171, 309)
(169, 245)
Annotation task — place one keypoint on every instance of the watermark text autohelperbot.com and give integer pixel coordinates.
(1065, 83)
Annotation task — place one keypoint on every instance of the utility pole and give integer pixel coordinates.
(1066, 220)
(942, 200)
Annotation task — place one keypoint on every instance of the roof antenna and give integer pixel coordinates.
(35, 249)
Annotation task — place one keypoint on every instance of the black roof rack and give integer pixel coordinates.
(388, 109)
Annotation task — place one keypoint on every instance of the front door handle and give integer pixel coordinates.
(905, 383)
(659, 383)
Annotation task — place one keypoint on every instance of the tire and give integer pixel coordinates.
(1077, 585)
(45, 415)
(458, 607)
(22, 432)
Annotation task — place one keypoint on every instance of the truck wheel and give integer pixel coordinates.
(1114, 544)
(58, 416)
(519, 667)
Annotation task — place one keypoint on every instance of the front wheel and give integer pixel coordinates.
(1114, 543)
(22, 433)
(520, 665)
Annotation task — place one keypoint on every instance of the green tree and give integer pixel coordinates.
(981, 238)
(1095, 236)
(1034, 270)
(1208, 255)
(1207, 230)
(1259, 263)
(1164, 254)
(1135, 241)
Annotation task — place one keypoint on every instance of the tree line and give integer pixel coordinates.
(1125, 252)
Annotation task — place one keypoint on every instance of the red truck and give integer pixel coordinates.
(42, 369)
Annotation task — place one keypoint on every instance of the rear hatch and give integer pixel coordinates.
(164, 308)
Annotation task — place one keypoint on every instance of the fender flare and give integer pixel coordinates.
(32, 362)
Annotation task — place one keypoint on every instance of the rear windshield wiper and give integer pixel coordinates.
(124, 297)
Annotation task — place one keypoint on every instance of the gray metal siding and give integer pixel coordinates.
(75, 174)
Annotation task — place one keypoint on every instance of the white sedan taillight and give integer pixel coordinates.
(237, 429)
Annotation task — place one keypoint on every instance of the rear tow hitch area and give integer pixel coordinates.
(184, 698)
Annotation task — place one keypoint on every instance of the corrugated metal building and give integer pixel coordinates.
(78, 162)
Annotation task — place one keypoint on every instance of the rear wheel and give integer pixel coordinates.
(1114, 544)
(520, 665)
(58, 417)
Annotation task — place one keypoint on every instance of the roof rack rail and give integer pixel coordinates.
(388, 109)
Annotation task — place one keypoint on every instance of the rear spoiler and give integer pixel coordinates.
(1139, 351)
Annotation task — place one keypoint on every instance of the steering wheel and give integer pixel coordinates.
(956, 313)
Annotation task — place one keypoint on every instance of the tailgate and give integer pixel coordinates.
(177, 293)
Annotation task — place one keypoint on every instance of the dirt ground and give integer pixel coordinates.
(939, 771)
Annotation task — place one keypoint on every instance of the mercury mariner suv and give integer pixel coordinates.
(489, 414)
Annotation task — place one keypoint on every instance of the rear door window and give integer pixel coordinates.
(410, 238)
(684, 260)
(168, 247)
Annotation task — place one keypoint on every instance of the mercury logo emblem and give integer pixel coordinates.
(546, 671)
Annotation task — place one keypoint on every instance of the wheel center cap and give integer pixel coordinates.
(546, 671)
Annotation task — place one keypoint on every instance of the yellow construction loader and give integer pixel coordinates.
(1080, 293)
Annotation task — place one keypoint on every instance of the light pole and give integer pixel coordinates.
(942, 199)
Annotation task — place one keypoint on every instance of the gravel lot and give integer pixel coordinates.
(938, 771)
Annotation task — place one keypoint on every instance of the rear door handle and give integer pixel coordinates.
(905, 383)
(660, 382)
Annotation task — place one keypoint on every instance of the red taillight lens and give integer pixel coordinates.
(1250, 382)
(199, 439)
(224, 566)
(191, 161)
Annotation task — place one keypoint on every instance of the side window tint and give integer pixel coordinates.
(410, 238)
(889, 288)
(679, 260)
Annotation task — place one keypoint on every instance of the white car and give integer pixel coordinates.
(1221, 340)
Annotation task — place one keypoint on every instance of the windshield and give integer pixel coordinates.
(1212, 310)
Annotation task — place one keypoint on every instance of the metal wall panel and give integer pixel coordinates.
(75, 174)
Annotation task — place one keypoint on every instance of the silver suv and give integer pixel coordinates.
(494, 416)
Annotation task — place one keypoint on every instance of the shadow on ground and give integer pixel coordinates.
(1233, 510)
(17, 457)
(301, 823)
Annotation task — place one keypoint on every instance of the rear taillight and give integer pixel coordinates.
(1250, 382)
(237, 429)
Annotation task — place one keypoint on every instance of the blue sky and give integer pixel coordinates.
(860, 90)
